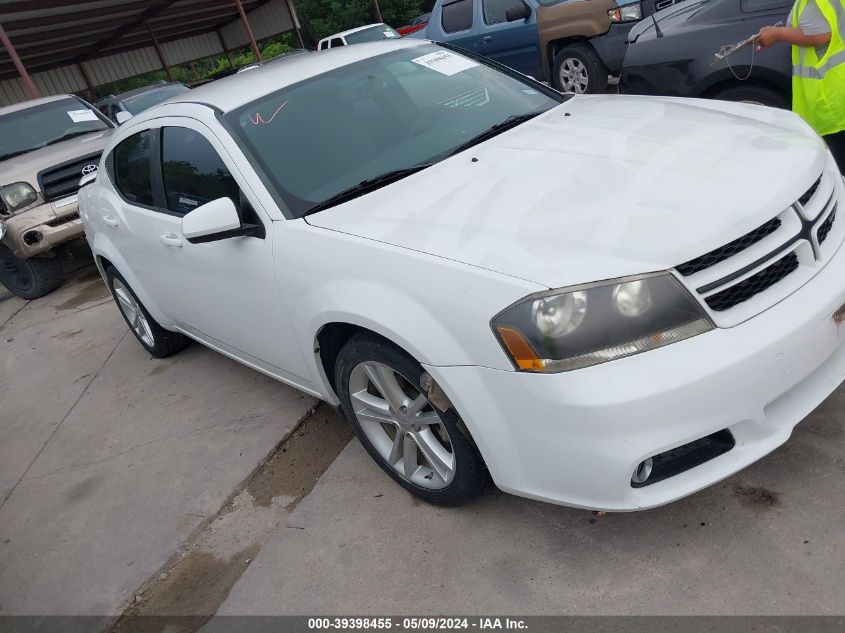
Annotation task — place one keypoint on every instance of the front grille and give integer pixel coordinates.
(824, 229)
(729, 250)
(790, 243)
(65, 220)
(754, 285)
(803, 200)
(63, 180)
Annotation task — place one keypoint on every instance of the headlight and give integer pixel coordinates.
(16, 196)
(628, 13)
(586, 325)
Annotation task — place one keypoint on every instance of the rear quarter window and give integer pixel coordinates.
(130, 163)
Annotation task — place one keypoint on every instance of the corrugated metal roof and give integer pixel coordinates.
(110, 37)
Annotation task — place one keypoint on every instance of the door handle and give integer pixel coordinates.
(109, 220)
(171, 239)
(487, 39)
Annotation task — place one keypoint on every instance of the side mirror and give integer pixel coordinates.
(122, 116)
(213, 221)
(519, 12)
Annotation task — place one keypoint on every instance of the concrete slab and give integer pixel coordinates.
(767, 541)
(110, 460)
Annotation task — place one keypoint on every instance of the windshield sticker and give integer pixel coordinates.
(259, 120)
(79, 116)
(530, 91)
(445, 63)
(188, 201)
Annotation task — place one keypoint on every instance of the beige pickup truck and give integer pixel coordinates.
(46, 146)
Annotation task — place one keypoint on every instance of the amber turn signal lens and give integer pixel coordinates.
(520, 350)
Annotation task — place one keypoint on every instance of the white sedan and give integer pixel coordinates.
(603, 301)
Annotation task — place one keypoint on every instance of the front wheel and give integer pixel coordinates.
(759, 95)
(419, 446)
(29, 278)
(155, 339)
(580, 70)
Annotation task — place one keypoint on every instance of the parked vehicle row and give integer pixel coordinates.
(573, 45)
(359, 35)
(428, 241)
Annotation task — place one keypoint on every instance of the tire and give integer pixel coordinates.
(580, 60)
(425, 451)
(29, 278)
(754, 94)
(159, 342)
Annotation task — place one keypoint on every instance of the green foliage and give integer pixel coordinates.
(325, 17)
(319, 17)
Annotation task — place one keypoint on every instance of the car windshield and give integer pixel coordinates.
(372, 34)
(146, 100)
(406, 108)
(36, 127)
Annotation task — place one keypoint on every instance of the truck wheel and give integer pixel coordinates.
(578, 69)
(754, 94)
(29, 278)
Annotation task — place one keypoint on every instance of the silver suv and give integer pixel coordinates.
(46, 146)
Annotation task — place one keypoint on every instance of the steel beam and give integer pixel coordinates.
(30, 86)
(248, 28)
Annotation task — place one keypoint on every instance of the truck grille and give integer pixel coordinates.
(63, 180)
(758, 269)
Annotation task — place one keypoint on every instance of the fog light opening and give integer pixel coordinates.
(643, 471)
(31, 238)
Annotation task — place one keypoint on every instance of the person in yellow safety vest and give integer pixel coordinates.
(815, 31)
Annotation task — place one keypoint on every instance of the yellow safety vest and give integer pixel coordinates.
(818, 85)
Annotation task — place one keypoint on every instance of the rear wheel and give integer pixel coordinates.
(155, 339)
(754, 94)
(580, 70)
(419, 446)
(29, 278)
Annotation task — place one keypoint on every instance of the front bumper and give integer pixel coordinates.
(612, 45)
(576, 438)
(42, 228)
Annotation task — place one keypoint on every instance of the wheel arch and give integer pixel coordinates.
(722, 81)
(106, 255)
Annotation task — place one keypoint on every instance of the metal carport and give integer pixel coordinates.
(57, 46)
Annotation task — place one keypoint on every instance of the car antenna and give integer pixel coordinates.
(656, 26)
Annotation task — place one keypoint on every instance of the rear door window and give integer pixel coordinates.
(495, 11)
(336, 42)
(457, 16)
(193, 171)
(131, 167)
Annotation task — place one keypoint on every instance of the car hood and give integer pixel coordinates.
(600, 187)
(25, 168)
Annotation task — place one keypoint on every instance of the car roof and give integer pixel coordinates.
(32, 103)
(355, 30)
(232, 92)
(150, 88)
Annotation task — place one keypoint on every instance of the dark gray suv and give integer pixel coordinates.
(672, 53)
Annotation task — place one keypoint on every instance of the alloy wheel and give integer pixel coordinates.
(133, 313)
(402, 426)
(573, 75)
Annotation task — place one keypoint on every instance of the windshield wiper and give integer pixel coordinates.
(507, 124)
(366, 186)
(67, 137)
